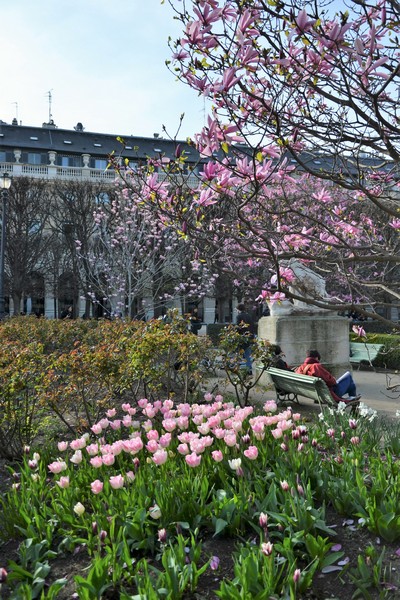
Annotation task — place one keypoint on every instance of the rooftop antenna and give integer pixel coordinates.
(50, 99)
(16, 109)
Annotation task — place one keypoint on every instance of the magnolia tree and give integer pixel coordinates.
(294, 85)
(134, 263)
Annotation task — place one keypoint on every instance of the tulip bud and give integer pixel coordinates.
(162, 535)
(3, 575)
(79, 509)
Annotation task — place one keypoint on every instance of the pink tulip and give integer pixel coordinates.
(92, 449)
(108, 460)
(230, 439)
(160, 457)
(115, 425)
(130, 476)
(277, 433)
(152, 434)
(162, 535)
(63, 482)
(133, 446)
(251, 452)
(117, 482)
(111, 413)
(169, 424)
(96, 428)
(62, 446)
(267, 548)
(217, 455)
(78, 444)
(96, 462)
(96, 486)
(270, 406)
(76, 458)
(183, 449)
(152, 446)
(57, 466)
(165, 440)
(193, 459)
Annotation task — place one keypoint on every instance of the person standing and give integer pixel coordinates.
(195, 322)
(246, 327)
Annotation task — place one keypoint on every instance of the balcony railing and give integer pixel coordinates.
(55, 172)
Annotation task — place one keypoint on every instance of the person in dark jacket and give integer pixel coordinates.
(195, 322)
(337, 387)
(278, 359)
(246, 328)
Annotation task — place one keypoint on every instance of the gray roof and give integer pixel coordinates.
(71, 141)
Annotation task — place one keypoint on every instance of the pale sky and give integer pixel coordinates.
(103, 62)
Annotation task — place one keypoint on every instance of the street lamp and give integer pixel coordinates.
(5, 183)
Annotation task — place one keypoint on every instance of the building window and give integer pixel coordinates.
(69, 161)
(98, 163)
(35, 158)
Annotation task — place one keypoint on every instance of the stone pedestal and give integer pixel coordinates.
(300, 331)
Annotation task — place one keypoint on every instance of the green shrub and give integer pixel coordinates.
(214, 331)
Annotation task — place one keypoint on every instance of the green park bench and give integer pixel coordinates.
(290, 385)
(363, 353)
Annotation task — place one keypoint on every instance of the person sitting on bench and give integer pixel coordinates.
(278, 359)
(337, 387)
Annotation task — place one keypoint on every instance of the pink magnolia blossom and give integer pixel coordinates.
(359, 331)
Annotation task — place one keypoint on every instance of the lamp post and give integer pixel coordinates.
(5, 183)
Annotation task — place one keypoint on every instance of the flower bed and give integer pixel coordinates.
(141, 495)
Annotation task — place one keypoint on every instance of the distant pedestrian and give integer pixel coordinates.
(66, 313)
(195, 322)
(246, 328)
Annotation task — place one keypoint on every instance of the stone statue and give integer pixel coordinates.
(308, 284)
